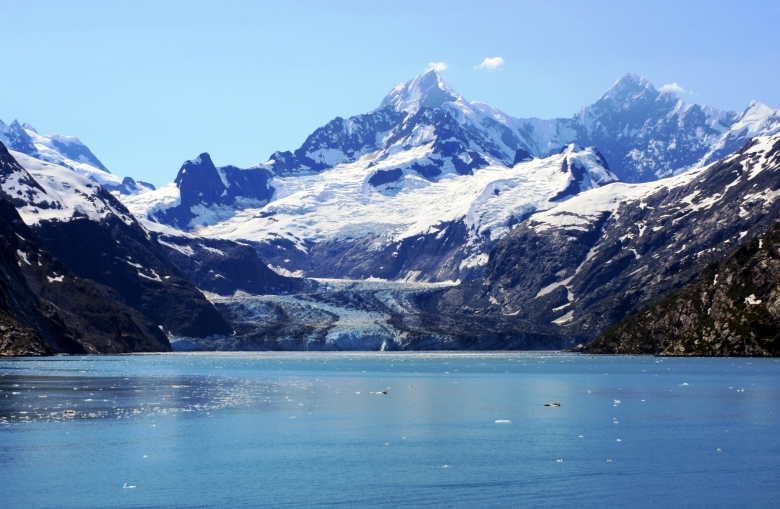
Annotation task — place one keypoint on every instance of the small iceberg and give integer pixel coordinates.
(503, 421)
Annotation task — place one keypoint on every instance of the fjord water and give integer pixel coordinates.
(304, 430)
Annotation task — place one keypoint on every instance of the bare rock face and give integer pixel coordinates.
(17, 340)
(731, 308)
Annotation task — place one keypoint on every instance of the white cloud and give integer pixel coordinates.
(672, 87)
(491, 64)
(436, 66)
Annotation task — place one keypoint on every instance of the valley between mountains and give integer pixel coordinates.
(641, 224)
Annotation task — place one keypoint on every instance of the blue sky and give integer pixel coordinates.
(149, 84)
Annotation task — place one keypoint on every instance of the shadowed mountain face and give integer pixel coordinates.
(731, 308)
(47, 309)
(206, 193)
(120, 256)
(224, 267)
(95, 239)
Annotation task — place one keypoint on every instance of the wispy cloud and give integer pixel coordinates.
(672, 87)
(436, 66)
(491, 64)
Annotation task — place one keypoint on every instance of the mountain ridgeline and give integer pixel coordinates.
(429, 223)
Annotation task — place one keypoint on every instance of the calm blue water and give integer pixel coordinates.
(301, 430)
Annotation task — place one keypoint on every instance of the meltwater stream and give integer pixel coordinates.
(452, 430)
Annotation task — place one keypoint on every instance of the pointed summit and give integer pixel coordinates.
(15, 138)
(427, 90)
(629, 86)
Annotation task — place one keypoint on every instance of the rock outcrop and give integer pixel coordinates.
(731, 309)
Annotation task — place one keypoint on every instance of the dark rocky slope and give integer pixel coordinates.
(122, 257)
(224, 267)
(20, 313)
(731, 308)
(108, 246)
(46, 309)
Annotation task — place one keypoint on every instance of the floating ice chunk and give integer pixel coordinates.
(503, 421)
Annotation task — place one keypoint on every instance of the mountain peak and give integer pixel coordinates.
(196, 169)
(757, 107)
(28, 127)
(629, 86)
(428, 89)
(15, 138)
(203, 158)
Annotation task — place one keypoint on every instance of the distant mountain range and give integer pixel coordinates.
(539, 233)
(67, 151)
(424, 186)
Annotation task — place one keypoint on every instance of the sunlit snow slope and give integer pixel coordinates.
(68, 152)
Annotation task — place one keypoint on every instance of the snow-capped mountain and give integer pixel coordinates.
(97, 238)
(204, 194)
(645, 134)
(425, 111)
(378, 218)
(607, 252)
(431, 166)
(69, 152)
